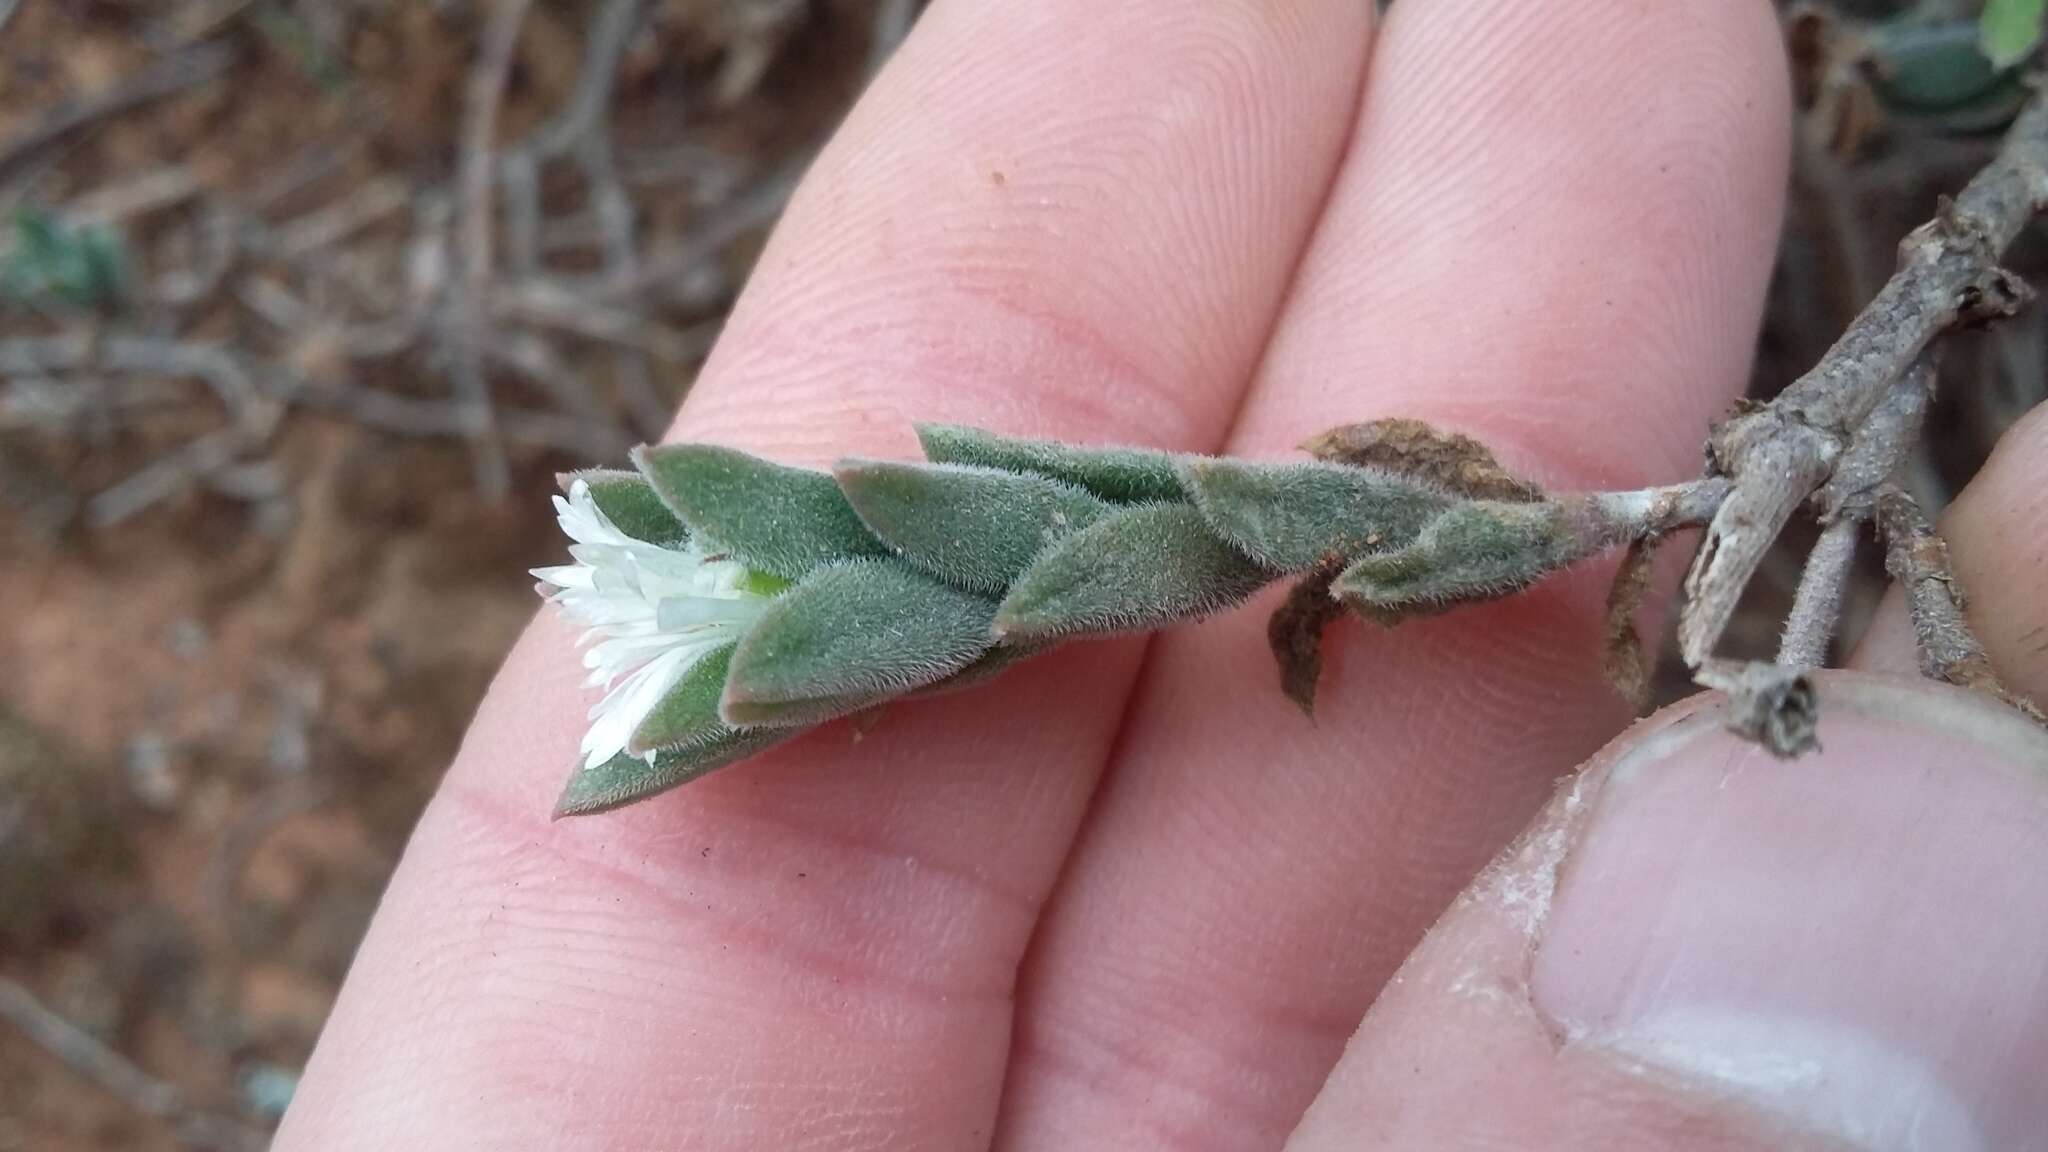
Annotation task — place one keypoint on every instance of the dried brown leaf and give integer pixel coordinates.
(1626, 656)
(1419, 449)
(1295, 632)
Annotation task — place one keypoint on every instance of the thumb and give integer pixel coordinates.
(1698, 946)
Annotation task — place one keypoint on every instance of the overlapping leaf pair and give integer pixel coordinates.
(894, 578)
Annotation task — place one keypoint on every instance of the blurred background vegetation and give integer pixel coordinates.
(302, 305)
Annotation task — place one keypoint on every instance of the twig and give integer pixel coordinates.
(165, 77)
(252, 416)
(532, 356)
(84, 1054)
(758, 208)
(233, 847)
(213, 363)
(1780, 454)
(583, 125)
(1817, 606)
(1769, 704)
(1881, 445)
(1918, 559)
(338, 221)
(152, 191)
(167, 476)
(1880, 452)
(414, 416)
(1655, 511)
(582, 130)
(550, 305)
(466, 321)
(145, 354)
(37, 401)
(195, 21)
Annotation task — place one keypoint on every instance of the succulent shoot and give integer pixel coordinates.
(730, 602)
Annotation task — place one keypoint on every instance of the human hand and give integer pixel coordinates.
(1127, 897)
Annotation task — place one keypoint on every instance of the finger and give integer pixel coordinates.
(1997, 533)
(1057, 218)
(1554, 232)
(1700, 947)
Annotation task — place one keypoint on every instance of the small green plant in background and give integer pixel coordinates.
(52, 263)
(2010, 30)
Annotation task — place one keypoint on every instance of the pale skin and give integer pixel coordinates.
(1127, 897)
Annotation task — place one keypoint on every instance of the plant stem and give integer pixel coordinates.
(1817, 606)
(1778, 455)
(1918, 559)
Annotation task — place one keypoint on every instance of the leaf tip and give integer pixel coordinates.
(1008, 625)
(577, 799)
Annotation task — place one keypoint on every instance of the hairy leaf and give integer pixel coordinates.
(993, 663)
(782, 521)
(976, 527)
(1474, 551)
(850, 634)
(626, 778)
(689, 713)
(1124, 475)
(806, 713)
(1292, 517)
(630, 502)
(1140, 568)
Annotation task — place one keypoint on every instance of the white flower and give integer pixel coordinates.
(649, 613)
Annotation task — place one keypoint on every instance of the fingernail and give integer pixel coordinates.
(1855, 941)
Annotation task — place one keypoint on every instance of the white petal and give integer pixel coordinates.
(648, 612)
(621, 712)
(565, 575)
(676, 613)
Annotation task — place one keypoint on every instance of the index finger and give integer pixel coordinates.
(1057, 218)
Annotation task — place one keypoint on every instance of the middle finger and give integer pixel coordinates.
(1554, 233)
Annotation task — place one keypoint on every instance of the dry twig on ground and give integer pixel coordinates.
(84, 1053)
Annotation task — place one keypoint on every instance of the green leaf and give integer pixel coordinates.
(1123, 475)
(2010, 30)
(626, 778)
(630, 502)
(688, 715)
(782, 521)
(1474, 551)
(993, 663)
(849, 635)
(786, 714)
(1140, 568)
(975, 527)
(1292, 517)
(1929, 66)
(53, 263)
